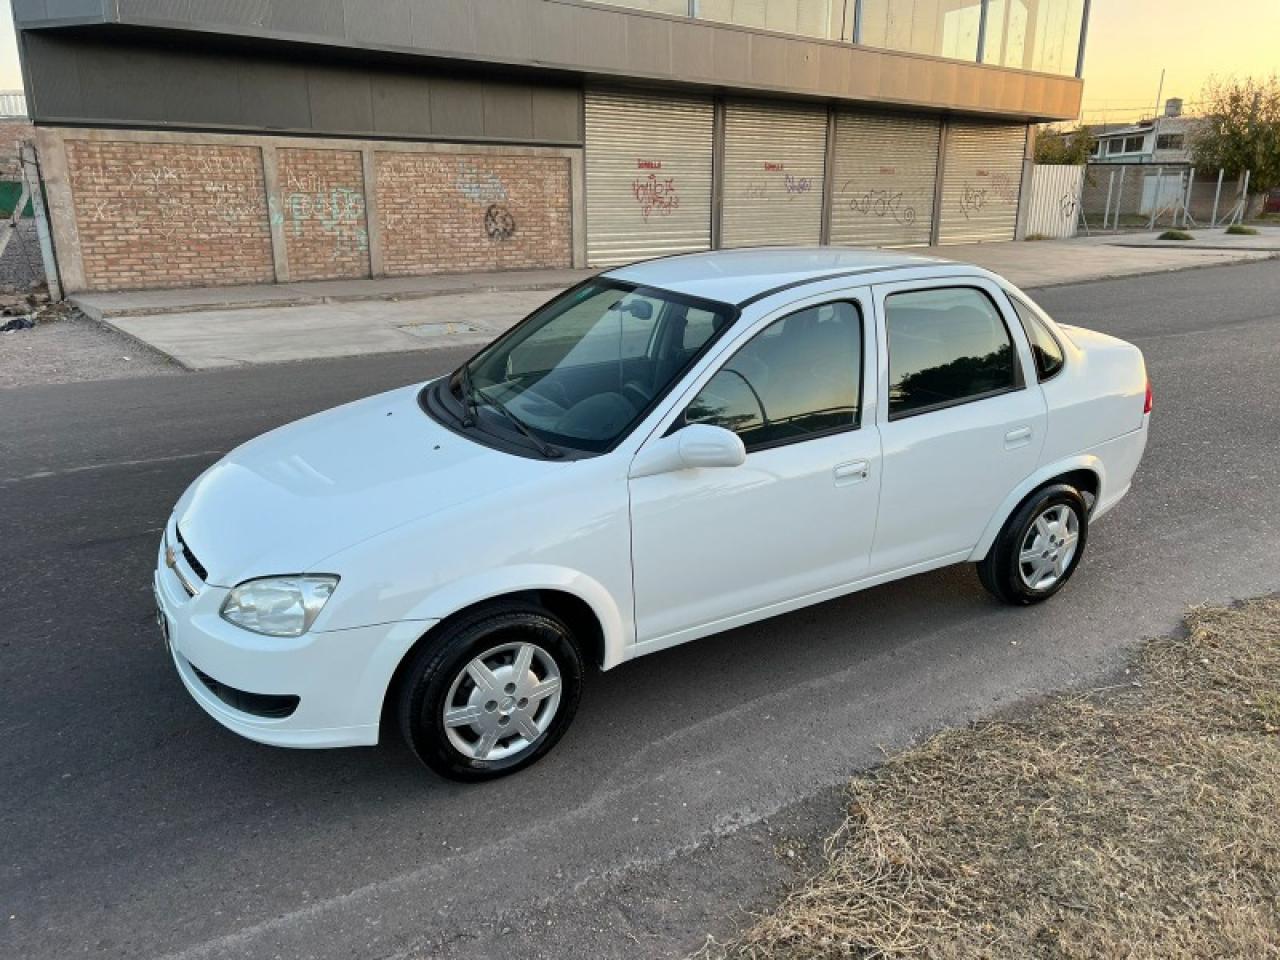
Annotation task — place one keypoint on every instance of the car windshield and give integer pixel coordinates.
(580, 372)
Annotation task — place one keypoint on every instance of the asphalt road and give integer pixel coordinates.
(131, 825)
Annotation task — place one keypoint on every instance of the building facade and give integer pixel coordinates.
(244, 141)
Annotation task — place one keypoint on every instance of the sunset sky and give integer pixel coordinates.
(1129, 42)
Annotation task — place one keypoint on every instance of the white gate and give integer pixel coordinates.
(1054, 210)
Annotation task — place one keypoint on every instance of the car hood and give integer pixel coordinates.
(284, 502)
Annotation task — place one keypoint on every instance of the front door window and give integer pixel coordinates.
(800, 377)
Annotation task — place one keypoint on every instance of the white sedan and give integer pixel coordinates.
(666, 451)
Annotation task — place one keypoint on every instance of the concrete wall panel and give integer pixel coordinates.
(273, 96)
(77, 80)
(400, 106)
(600, 43)
(340, 99)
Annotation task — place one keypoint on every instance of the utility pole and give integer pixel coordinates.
(1155, 126)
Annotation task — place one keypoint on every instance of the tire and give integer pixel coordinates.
(1050, 562)
(477, 743)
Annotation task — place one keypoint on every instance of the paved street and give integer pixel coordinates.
(133, 826)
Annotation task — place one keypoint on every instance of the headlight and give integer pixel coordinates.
(278, 606)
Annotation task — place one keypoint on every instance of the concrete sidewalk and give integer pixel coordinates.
(242, 326)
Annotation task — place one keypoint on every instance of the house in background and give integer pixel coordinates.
(1164, 140)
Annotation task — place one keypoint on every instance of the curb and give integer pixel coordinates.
(1192, 245)
(102, 315)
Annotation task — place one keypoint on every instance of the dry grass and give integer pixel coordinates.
(1137, 822)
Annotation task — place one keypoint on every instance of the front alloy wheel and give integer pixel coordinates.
(491, 692)
(502, 702)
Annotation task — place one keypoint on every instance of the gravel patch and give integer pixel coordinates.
(21, 266)
(67, 347)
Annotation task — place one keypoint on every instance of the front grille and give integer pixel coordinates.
(196, 566)
(266, 705)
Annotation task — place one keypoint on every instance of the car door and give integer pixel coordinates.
(712, 547)
(961, 416)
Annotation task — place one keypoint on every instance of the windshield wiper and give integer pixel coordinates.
(468, 397)
(546, 449)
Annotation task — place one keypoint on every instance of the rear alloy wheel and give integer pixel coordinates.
(492, 693)
(1038, 548)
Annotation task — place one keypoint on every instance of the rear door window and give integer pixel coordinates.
(947, 346)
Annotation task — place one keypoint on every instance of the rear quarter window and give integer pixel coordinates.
(1044, 345)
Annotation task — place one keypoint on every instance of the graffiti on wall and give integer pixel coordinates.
(499, 223)
(776, 182)
(1068, 204)
(479, 186)
(170, 188)
(793, 184)
(1004, 188)
(338, 211)
(1000, 188)
(972, 200)
(487, 189)
(655, 195)
(881, 204)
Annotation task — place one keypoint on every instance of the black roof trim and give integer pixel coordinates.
(862, 271)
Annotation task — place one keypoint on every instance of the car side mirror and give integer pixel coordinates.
(697, 446)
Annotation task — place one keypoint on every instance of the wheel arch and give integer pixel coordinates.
(582, 603)
(1084, 472)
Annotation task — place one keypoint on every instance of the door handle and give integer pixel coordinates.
(1017, 438)
(853, 472)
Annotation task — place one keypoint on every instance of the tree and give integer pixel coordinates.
(1059, 146)
(1241, 130)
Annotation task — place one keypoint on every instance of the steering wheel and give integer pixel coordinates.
(637, 394)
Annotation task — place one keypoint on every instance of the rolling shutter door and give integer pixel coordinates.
(884, 181)
(648, 168)
(774, 160)
(982, 180)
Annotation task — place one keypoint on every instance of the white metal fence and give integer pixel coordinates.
(1146, 196)
(13, 103)
(1054, 210)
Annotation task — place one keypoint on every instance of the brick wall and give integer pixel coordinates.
(441, 213)
(322, 207)
(12, 131)
(169, 215)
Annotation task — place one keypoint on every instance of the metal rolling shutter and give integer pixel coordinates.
(774, 160)
(886, 171)
(648, 167)
(982, 180)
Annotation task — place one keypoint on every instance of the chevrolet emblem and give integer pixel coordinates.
(170, 558)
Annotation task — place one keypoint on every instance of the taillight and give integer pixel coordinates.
(1146, 407)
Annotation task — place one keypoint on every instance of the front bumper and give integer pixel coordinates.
(248, 682)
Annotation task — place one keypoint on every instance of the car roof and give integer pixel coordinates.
(741, 276)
